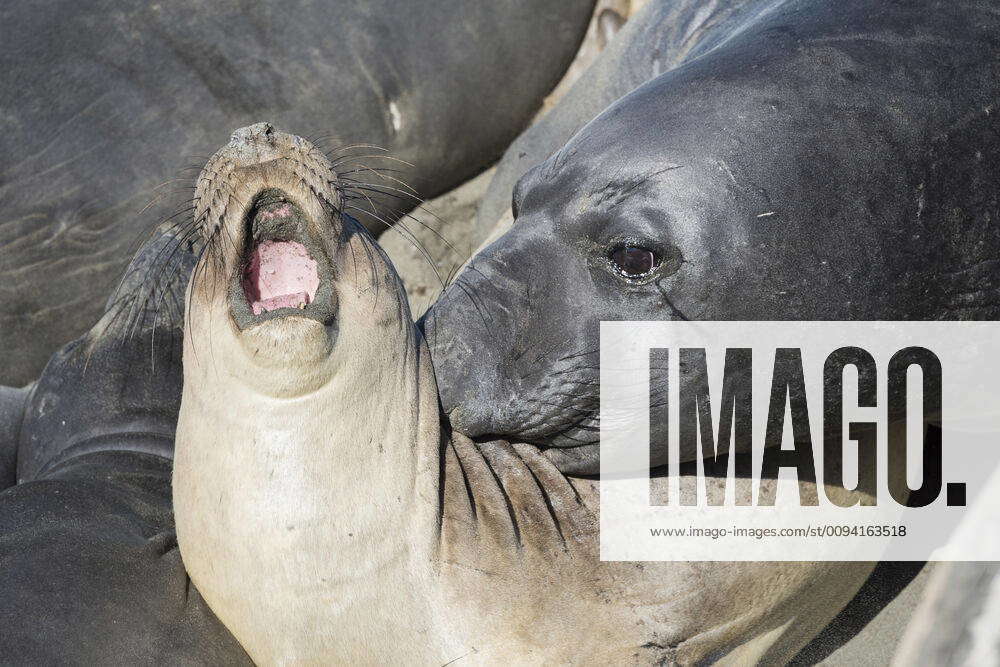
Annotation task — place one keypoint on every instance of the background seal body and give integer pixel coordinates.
(105, 101)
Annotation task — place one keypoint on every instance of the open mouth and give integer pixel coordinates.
(281, 275)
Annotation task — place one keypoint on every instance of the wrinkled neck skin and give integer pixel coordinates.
(306, 481)
(520, 561)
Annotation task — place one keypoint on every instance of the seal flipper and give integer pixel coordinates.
(12, 402)
(118, 387)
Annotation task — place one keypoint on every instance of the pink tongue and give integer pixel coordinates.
(281, 274)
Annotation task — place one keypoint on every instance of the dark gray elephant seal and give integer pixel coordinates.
(90, 572)
(101, 101)
(814, 161)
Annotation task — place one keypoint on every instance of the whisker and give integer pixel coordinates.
(400, 228)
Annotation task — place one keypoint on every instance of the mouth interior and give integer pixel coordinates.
(279, 274)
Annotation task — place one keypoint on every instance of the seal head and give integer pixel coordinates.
(791, 172)
(281, 262)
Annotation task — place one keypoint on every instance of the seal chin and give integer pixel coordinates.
(284, 271)
(289, 344)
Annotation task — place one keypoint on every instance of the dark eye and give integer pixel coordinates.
(633, 261)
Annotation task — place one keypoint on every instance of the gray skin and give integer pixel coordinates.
(102, 101)
(958, 620)
(808, 161)
(660, 37)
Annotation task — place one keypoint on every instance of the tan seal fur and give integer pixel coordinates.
(327, 518)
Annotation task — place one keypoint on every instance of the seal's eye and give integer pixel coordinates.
(633, 261)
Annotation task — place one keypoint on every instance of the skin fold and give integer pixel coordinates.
(323, 509)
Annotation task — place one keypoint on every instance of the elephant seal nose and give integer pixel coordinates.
(256, 133)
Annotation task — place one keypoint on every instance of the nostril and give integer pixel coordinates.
(253, 132)
(262, 131)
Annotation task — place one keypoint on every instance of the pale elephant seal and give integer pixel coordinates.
(102, 103)
(326, 515)
(808, 161)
